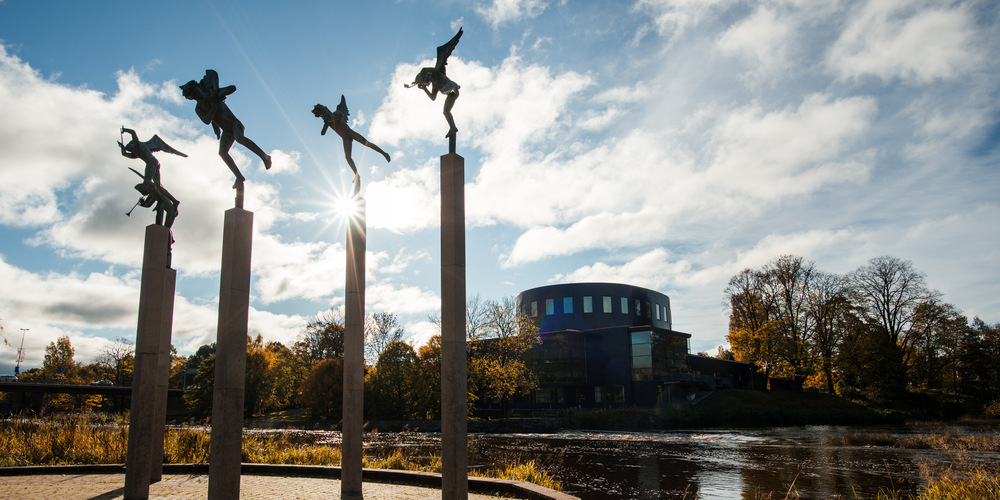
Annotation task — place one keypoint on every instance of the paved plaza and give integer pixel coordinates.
(195, 486)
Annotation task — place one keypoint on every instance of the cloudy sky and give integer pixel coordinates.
(662, 143)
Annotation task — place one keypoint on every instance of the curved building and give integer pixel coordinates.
(605, 344)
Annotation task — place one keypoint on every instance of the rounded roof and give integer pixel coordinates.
(589, 306)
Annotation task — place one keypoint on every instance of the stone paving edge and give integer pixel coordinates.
(484, 485)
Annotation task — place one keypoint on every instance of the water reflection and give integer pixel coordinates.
(722, 464)
(727, 464)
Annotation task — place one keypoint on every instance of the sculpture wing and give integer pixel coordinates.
(445, 50)
(157, 144)
(210, 82)
(342, 108)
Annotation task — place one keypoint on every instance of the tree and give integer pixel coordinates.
(936, 332)
(118, 357)
(58, 362)
(830, 308)
(178, 364)
(979, 360)
(288, 371)
(323, 389)
(749, 320)
(769, 322)
(888, 291)
(426, 389)
(381, 329)
(501, 362)
(198, 398)
(789, 281)
(323, 338)
(259, 384)
(389, 383)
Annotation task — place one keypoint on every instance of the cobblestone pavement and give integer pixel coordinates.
(191, 486)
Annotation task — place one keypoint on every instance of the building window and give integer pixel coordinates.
(567, 305)
(534, 308)
(624, 305)
(609, 394)
(657, 312)
(607, 305)
(638, 307)
(550, 307)
(658, 356)
(649, 310)
(588, 305)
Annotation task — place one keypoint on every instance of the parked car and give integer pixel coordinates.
(8, 378)
(102, 382)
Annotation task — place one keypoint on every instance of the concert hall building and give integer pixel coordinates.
(613, 345)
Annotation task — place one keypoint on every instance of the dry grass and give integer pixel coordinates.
(96, 439)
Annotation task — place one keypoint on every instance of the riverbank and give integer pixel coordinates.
(721, 409)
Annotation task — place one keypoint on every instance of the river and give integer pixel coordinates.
(712, 464)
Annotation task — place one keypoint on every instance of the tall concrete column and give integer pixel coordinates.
(156, 299)
(352, 428)
(231, 357)
(162, 383)
(454, 431)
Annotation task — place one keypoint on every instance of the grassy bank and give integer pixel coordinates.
(85, 439)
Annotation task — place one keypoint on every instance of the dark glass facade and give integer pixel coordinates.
(604, 345)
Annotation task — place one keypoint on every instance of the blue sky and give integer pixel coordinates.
(662, 143)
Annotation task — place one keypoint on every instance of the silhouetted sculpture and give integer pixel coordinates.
(337, 120)
(439, 81)
(150, 188)
(212, 109)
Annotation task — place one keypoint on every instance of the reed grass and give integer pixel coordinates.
(96, 439)
(946, 441)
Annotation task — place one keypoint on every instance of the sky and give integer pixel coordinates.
(666, 144)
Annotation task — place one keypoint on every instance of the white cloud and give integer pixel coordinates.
(406, 201)
(505, 11)
(915, 40)
(754, 158)
(763, 38)
(673, 17)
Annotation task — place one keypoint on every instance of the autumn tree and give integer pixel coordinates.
(832, 312)
(58, 362)
(751, 320)
(426, 388)
(389, 385)
(288, 370)
(322, 339)
(259, 384)
(323, 389)
(501, 363)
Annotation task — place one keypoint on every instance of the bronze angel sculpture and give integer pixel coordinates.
(212, 109)
(439, 81)
(153, 193)
(337, 120)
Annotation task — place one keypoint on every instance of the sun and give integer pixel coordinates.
(347, 206)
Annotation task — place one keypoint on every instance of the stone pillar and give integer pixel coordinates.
(162, 384)
(156, 299)
(454, 437)
(352, 428)
(231, 357)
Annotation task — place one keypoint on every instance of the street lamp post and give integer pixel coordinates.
(20, 353)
